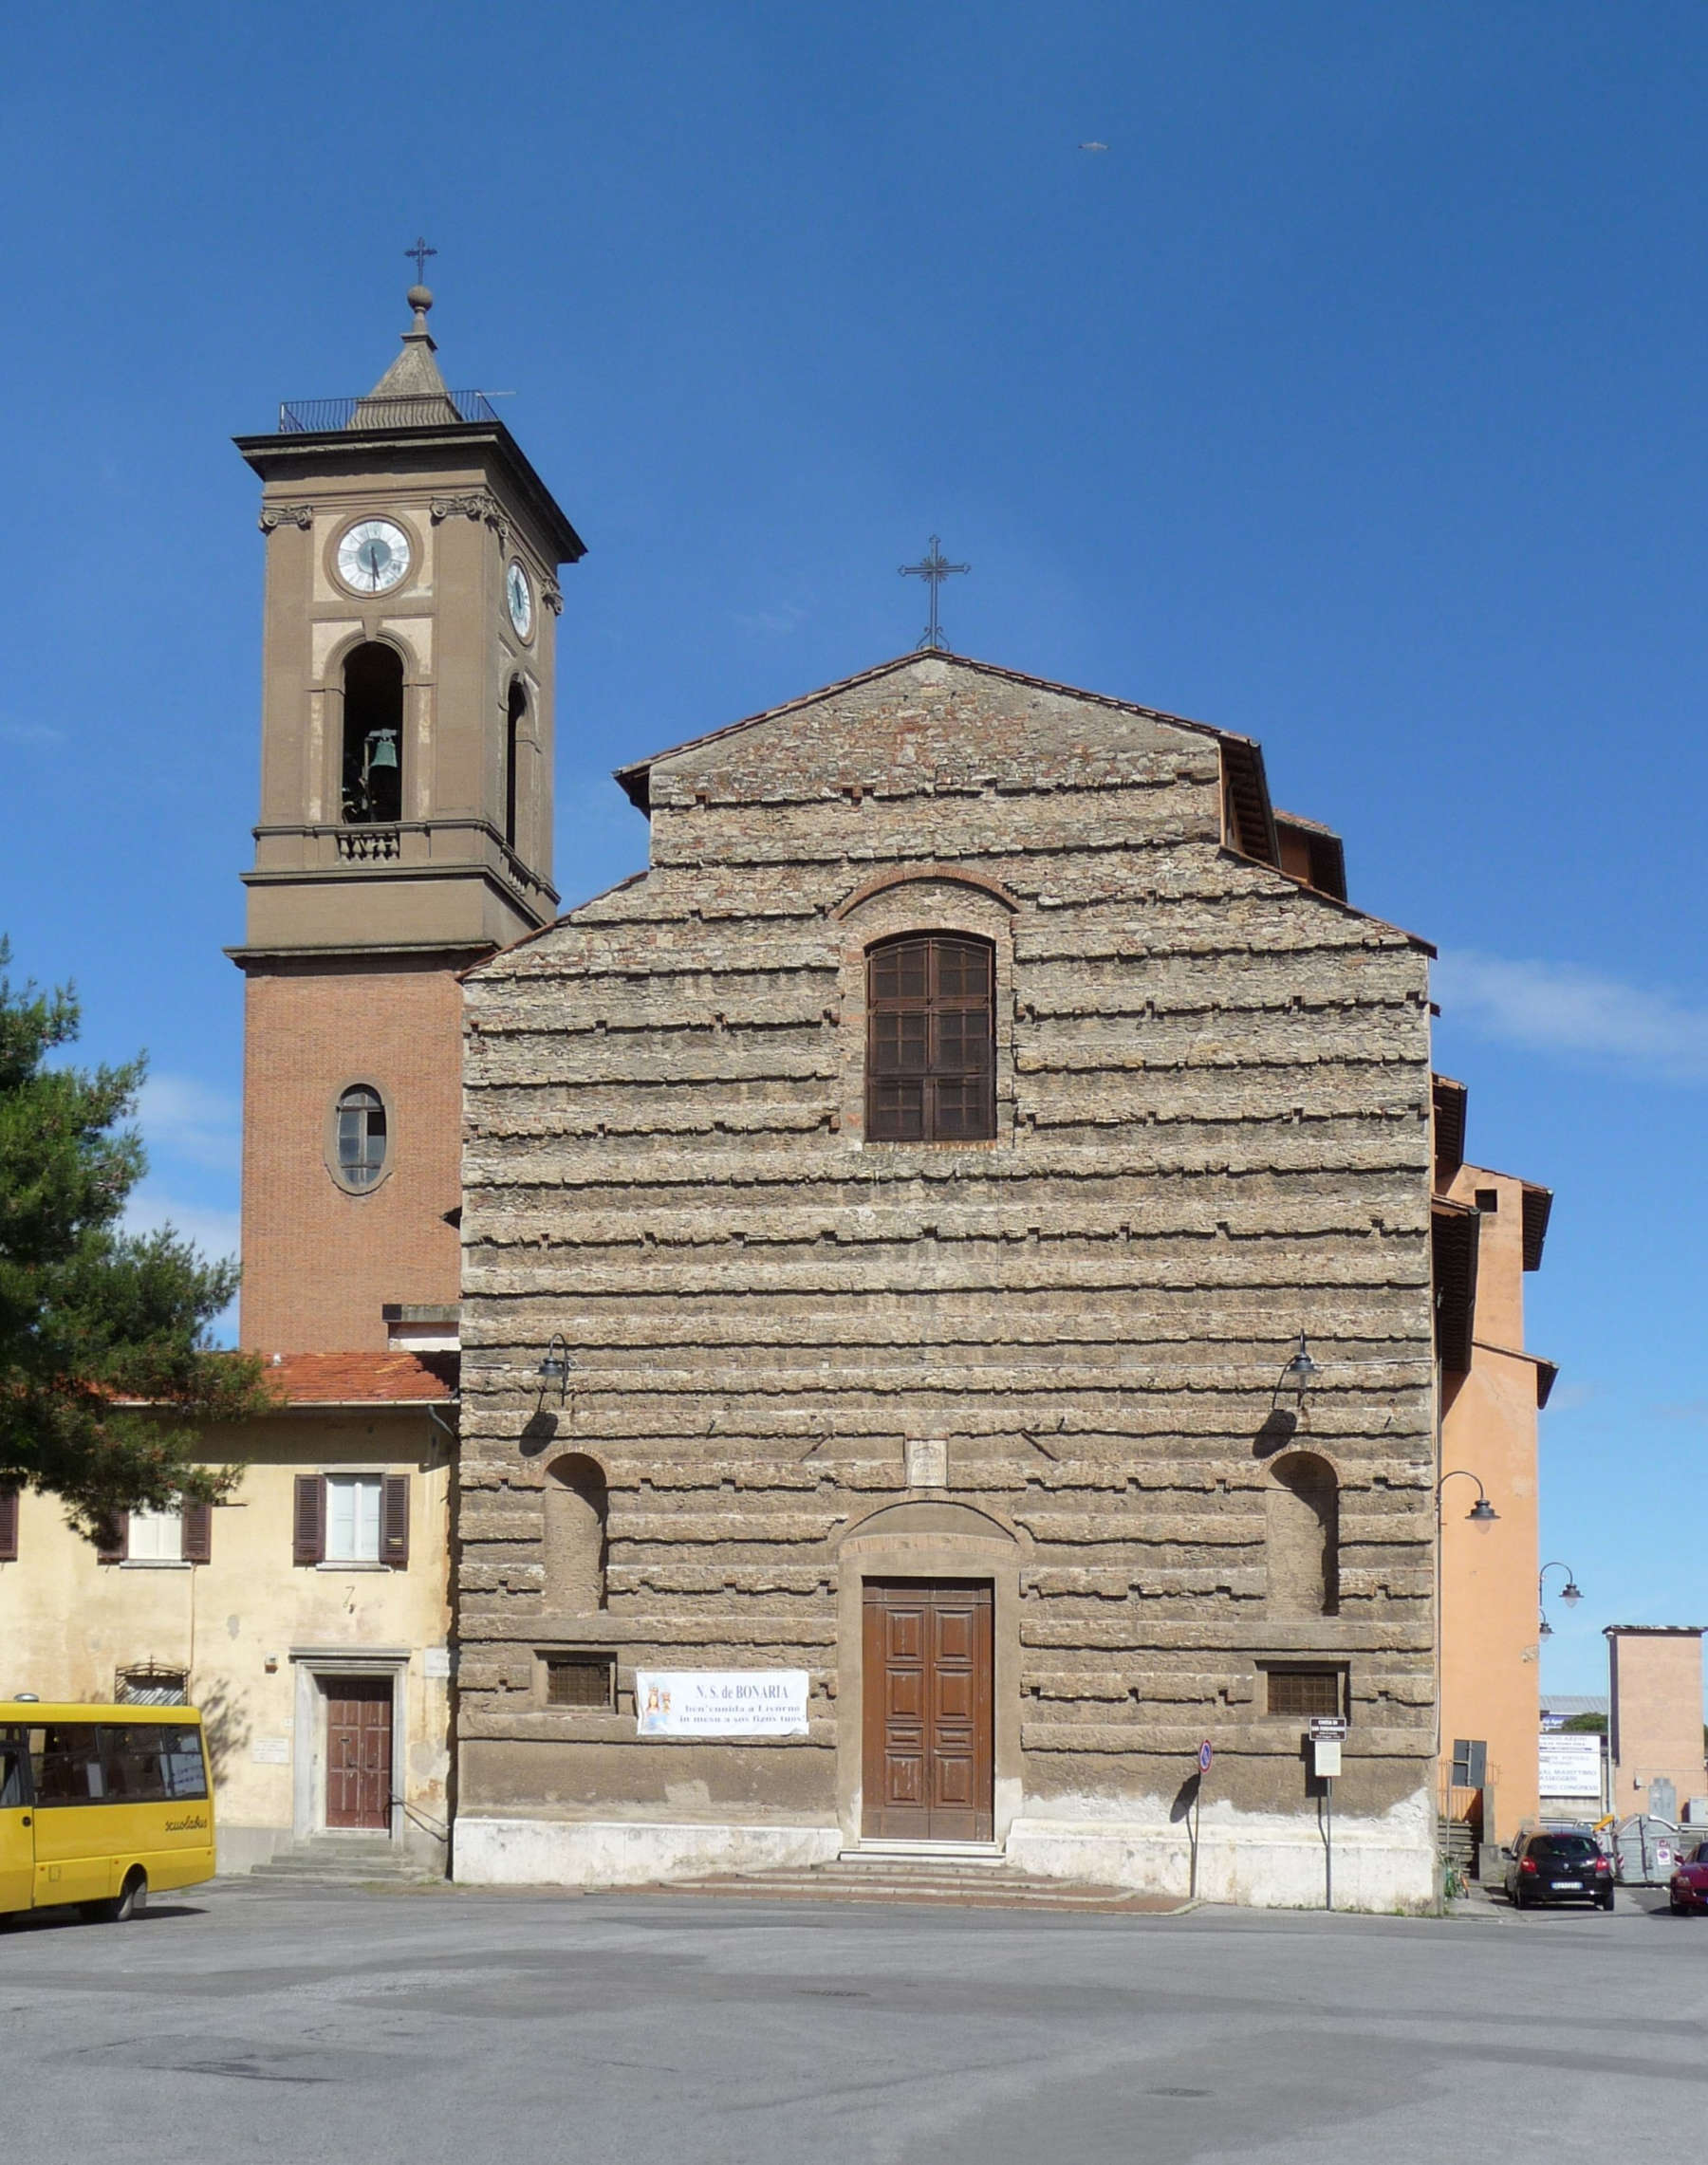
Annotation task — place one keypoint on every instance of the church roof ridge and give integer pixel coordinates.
(632, 777)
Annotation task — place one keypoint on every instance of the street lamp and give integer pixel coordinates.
(1482, 1512)
(555, 1366)
(1570, 1593)
(1301, 1371)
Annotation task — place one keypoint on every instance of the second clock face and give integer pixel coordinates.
(373, 556)
(519, 596)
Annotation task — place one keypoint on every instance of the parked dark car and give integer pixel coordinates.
(1558, 1868)
(1690, 1880)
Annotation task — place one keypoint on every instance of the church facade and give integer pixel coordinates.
(890, 1223)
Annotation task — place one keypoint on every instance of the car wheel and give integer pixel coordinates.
(1605, 1901)
(1678, 1908)
(1518, 1901)
(130, 1901)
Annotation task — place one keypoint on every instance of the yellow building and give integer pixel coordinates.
(306, 1617)
(1490, 1229)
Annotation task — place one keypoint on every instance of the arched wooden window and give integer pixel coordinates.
(361, 1136)
(576, 1508)
(930, 1040)
(373, 735)
(515, 718)
(1303, 1515)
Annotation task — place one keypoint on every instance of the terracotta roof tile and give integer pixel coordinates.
(362, 1378)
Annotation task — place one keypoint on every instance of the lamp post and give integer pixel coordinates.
(1570, 1593)
(1482, 1512)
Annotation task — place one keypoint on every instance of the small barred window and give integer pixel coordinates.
(586, 1681)
(1303, 1693)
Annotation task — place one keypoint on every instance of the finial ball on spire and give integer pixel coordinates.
(419, 298)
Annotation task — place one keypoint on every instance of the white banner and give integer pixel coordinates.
(720, 1702)
(1569, 1765)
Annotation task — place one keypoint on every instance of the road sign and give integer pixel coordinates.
(1205, 1755)
(1327, 1729)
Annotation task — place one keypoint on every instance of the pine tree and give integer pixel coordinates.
(108, 1380)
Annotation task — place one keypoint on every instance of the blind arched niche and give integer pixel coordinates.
(576, 1508)
(1302, 1511)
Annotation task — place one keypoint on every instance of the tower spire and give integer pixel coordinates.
(412, 393)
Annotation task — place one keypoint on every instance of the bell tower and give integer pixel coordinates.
(407, 716)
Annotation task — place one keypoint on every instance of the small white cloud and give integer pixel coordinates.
(1558, 1008)
(29, 733)
(184, 1119)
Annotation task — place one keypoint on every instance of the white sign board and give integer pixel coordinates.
(1569, 1766)
(270, 1751)
(720, 1702)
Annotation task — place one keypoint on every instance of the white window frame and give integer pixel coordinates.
(154, 1539)
(366, 1495)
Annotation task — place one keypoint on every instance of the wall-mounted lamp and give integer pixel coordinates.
(1571, 1594)
(556, 1366)
(1482, 1512)
(1301, 1371)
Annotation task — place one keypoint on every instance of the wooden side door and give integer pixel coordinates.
(927, 1716)
(359, 1752)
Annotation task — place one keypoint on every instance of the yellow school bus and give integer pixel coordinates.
(100, 1806)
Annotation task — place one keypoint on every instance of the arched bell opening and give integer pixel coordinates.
(373, 736)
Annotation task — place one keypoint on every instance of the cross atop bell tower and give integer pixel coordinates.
(405, 830)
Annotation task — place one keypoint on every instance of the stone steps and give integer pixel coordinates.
(967, 1884)
(346, 1863)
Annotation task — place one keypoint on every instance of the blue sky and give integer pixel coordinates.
(1352, 398)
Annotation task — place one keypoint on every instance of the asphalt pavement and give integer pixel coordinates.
(240, 2022)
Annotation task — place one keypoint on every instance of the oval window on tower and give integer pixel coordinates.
(357, 1145)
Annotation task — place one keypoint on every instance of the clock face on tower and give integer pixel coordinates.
(373, 556)
(518, 595)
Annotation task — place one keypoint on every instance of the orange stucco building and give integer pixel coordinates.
(1655, 1699)
(1489, 1228)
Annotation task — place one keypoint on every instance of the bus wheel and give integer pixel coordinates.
(131, 1900)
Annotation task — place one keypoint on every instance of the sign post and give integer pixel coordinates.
(1328, 1733)
(1205, 1756)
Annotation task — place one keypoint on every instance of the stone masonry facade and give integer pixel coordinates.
(1213, 1134)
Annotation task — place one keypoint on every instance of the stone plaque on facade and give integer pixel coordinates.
(927, 1462)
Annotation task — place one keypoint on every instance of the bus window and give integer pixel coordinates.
(131, 1760)
(68, 1770)
(181, 1763)
(152, 1762)
(12, 1776)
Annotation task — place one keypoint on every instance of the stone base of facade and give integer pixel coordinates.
(241, 1848)
(1259, 1860)
(628, 1853)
